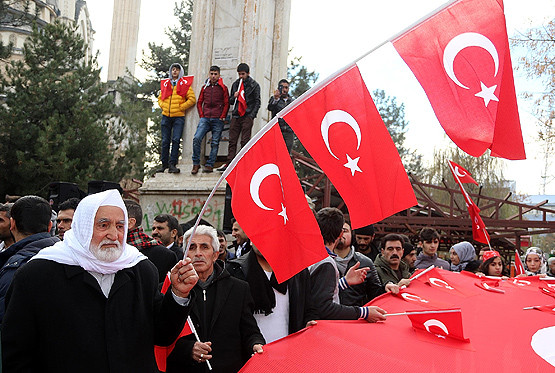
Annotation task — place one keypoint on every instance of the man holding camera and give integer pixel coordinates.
(277, 102)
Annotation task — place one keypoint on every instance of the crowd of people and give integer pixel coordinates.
(86, 295)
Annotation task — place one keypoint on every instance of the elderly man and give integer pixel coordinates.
(91, 302)
(222, 314)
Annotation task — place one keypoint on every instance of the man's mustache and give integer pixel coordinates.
(394, 256)
(198, 260)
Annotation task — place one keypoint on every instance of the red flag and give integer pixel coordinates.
(161, 353)
(479, 232)
(343, 131)
(270, 206)
(443, 323)
(461, 58)
(519, 267)
(460, 174)
(548, 309)
(242, 109)
(183, 84)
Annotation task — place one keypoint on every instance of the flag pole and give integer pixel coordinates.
(196, 336)
(312, 91)
(421, 312)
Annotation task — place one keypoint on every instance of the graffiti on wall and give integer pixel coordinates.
(185, 210)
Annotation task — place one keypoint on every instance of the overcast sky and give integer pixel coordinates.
(329, 34)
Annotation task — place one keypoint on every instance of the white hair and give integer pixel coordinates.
(207, 231)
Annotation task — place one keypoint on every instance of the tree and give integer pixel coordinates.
(55, 119)
(393, 115)
(157, 61)
(300, 79)
(539, 62)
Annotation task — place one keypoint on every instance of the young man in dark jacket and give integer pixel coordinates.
(30, 226)
(212, 106)
(241, 123)
(278, 101)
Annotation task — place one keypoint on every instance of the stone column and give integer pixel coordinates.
(124, 37)
(225, 33)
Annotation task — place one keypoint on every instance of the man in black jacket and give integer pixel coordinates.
(241, 123)
(30, 225)
(278, 101)
(272, 300)
(222, 314)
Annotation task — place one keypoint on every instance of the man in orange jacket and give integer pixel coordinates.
(176, 96)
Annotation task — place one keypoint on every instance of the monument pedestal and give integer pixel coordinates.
(182, 195)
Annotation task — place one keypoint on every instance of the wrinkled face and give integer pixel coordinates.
(430, 247)
(63, 221)
(454, 257)
(161, 231)
(223, 244)
(392, 252)
(533, 262)
(364, 241)
(495, 268)
(202, 254)
(175, 72)
(347, 236)
(4, 226)
(108, 233)
(243, 75)
(238, 234)
(214, 76)
(410, 258)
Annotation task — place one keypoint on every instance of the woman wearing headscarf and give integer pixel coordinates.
(461, 254)
(534, 262)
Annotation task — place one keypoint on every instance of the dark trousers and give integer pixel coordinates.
(239, 126)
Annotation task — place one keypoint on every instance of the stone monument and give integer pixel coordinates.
(224, 33)
(124, 37)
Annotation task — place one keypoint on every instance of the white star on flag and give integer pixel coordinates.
(487, 94)
(283, 214)
(352, 164)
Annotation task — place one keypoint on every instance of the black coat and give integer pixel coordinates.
(298, 287)
(252, 97)
(222, 315)
(17, 255)
(359, 295)
(163, 259)
(58, 320)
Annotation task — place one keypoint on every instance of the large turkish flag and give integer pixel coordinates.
(341, 128)
(269, 205)
(503, 335)
(461, 58)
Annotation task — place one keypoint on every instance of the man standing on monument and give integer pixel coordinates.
(212, 106)
(246, 91)
(176, 96)
(277, 102)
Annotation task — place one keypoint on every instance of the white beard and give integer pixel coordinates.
(107, 254)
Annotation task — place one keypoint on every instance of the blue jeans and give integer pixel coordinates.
(206, 125)
(172, 129)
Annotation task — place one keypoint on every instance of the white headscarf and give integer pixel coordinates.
(536, 251)
(74, 249)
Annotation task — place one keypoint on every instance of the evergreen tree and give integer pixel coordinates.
(55, 118)
(300, 79)
(393, 115)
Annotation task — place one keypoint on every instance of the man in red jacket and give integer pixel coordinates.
(212, 106)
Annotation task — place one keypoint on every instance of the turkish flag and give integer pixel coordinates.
(479, 232)
(269, 204)
(519, 267)
(242, 109)
(341, 128)
(161, 353)
(461, 58)
(182, 86)
(548, 309)
(442, 323)
(460, 174)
